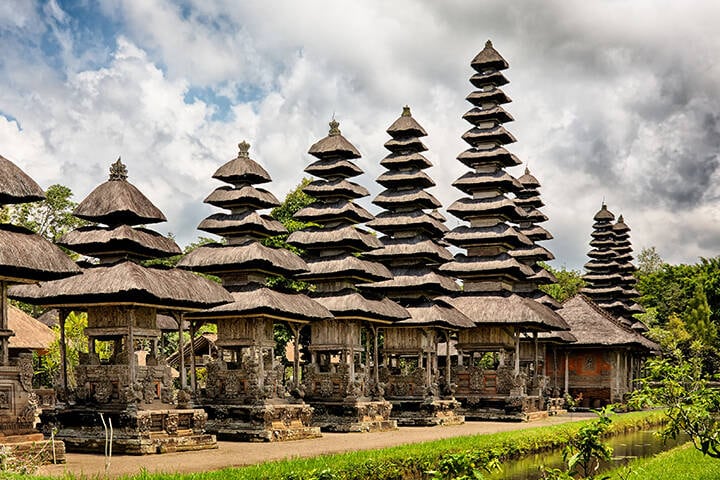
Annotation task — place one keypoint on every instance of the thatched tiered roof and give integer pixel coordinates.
(593, 326)
(30, 334)
(490, 270)
(243, 262)
(16, 186)
(331, 246)
(623, 257)
(412, 246)
(118, 279)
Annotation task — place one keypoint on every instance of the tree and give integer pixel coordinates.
(697, 318)
(649, 261)
(692, 406)
(52, 218)
(569, 283)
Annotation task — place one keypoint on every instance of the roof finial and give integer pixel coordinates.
(488, 44)
(527, 170)
(334, 127)
(406, 111)
(243, 147)
(621, 219)
(118, 171)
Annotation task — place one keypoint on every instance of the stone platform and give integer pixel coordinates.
(261, 423)
(428, 413)
(32, 448)
(354, 416)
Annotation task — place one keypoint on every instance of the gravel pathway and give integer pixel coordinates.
(235, 454)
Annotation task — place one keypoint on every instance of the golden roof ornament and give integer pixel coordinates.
(334, 128)
(243, 147)
(118, 171)
(406, 111)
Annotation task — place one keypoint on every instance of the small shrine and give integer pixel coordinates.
(246, 395)
(25, 257)
(496, 285)
(413, 250)
(122, 298)
(341, 380)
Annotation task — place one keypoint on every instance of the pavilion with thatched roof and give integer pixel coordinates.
(245, 393)
(122, 298)
(25, 257)
(413, 250)
(489, 378)
(341, 380)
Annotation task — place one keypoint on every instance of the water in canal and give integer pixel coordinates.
(626, 447)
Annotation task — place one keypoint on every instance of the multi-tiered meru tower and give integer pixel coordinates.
(245, 395)
(490, 380)
(341, 379)
(413, 250)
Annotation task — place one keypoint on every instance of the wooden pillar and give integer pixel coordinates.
(62, 317)
(517, 353)
(536, 361)
(181, 349)
(5, 349)
(131, 345)
(376, 354)
(296, 354)
(617, 377)
(193, 383)
(567, 373)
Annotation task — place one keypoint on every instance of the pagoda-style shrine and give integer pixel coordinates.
(627, 305)
(341, 380)
(490, 380)
(412, 250)
(245, 395)
(122, 298)
(25, 257)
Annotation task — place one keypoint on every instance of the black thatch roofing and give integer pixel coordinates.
(258, 301)
(351, 305)
(413, 281)
(248, 223)
(469, 207)
(345, 266)
(495, 114)
(469, 267)
(99, 241)
(390, 222)
(245, 196)
(437, 314)
(405, 160)
(28, 257)
(496, 134)
(406, 125)
(392, 199)
(488, 58)
(473, 157)
(336, 188)
(324, 212)
(592, 326)
(405, 178)
(495, 310)
(324, 238)
(242, 169)
(419, 249)
(166, 323)
(498, 234)
(488, 77)
(334, 145)
(473, 181)
(126, 283)
(333, 168)
(118, 202)
(16, 186)
(253, 256)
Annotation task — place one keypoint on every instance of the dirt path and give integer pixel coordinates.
(235, 454)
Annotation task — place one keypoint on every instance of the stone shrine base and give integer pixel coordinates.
(141, 432)
(428, 413)
(353, 416)
(502, 408)
(31, 449)
(261, 423)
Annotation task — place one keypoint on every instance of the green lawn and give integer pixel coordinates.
(681, 463)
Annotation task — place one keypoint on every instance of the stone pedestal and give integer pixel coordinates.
(428, 413)
(140, 432)
(354, 416)
(261, 423)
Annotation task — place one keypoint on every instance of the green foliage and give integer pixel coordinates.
(680, 463)
(52, 218)
(697, 318)
(76, 343)
(692, 405)
(294, 201)
(172, 261)
(649, 261)
(569, 283)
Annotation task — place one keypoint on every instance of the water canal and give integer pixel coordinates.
(626, 447)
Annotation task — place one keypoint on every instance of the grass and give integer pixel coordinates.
(411, 461)
(680, 463)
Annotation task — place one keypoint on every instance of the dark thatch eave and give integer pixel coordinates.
(536, 233)
(529, 182)
(337, 188)
(494, 95)
(30, 334)
(491, 77)
(344, 237)
(467, 208)
(592, 326)
(436, 314)
(496, 134)
(474, 181)
(126, 283)
(253, 256)
(258, 301)
(417, 197)
(27, 257)
(473, 157)
(488, 58)
(248, 223)
(16, 186)
(345, 267)
(242, 169)
(325, 212)
(406, 125)
(413, 281)
(536, 252)
(166, 323)
(604, 215)
(98, 241)
(405, 178)
(419, 249)
(118, 202)
(474, 267)
(246, 196)
(401, 145)
(334, 146)
(496, 113)
(417, 221)
(333, 168)
(351, 305)
(510, 310)
(498, 234)
(406, 160)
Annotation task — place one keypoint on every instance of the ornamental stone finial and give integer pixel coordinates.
(488, 44)
(118, 171)
(243, 148)
(406, 111)
(334, 127)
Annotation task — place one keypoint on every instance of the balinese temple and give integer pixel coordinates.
(245, 395)
(341, 377)
(25, 257)
(122, 298)
(528, 198)
(606, 357)
(413, 250)
(623, 256)
(490, 380)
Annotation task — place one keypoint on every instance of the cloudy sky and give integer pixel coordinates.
(615, 100)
